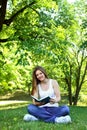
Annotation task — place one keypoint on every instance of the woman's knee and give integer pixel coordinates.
(67, 109)
(30, 108)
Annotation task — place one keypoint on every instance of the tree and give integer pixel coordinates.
(14, 14)
(75, 75)
(75, 65)
(43, 33)
(3, 4)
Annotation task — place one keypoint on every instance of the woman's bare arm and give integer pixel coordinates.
(56, 91)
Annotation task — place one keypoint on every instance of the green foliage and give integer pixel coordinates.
(48, 33)
(13, 76)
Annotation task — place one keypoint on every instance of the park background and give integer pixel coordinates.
(49, 33)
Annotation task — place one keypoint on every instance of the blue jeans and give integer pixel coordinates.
(48, 114)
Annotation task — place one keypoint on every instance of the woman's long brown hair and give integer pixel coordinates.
(35, 81)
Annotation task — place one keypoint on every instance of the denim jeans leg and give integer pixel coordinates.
(48, 114)
(41, 113)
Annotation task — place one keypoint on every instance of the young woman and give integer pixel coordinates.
(42, 86)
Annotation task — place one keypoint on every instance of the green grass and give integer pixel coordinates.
(11, 116)
(12, 119)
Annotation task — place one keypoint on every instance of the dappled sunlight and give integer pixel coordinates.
(15, 100)
(19, 100)
(82, 104)
(11, 104)
(4, 103)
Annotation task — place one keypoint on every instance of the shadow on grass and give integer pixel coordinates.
(15, 100)
(18, 95)
(21, 98)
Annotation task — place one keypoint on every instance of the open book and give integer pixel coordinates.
(44, 100)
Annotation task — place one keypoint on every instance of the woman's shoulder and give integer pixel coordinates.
(53, 81)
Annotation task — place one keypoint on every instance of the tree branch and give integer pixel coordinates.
(8, 21)
(3, 40)
(83, 77)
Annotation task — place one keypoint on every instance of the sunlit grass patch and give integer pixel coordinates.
(12, 113)
(12, 119)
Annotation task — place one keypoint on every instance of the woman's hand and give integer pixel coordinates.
(52, 100)
(39, 103)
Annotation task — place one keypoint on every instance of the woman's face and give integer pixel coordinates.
(40, 75)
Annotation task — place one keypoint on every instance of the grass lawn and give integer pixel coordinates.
(11, 118)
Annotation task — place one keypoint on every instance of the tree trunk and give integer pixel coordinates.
(70, 95)
(76, 97)
(3, 4)
(69, 90)
(79, 82)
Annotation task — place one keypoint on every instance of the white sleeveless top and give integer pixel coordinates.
(49, 92)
